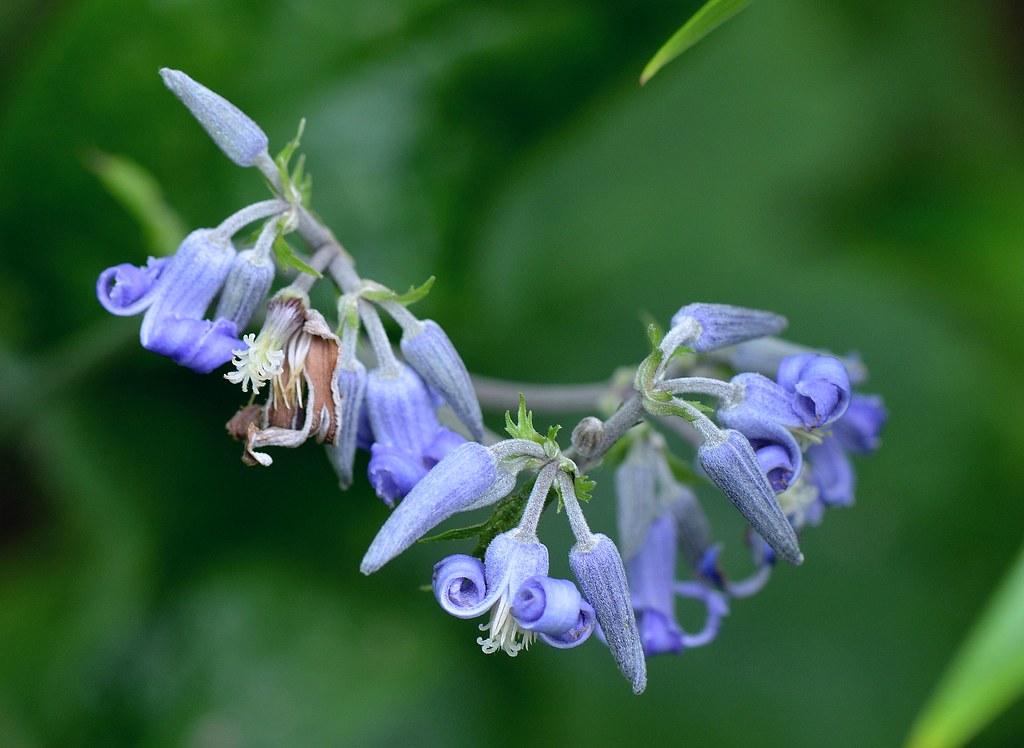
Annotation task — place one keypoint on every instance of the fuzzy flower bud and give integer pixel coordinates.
(733, 467)
(232, 130)
(721, 325)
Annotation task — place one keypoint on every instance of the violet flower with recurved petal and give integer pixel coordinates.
(651, 575)
(512, 584)
(821, 387)
(175, 293)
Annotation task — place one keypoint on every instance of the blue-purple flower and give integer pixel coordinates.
(512, 585)
(652, 582)
(408, 439)
(175, 293)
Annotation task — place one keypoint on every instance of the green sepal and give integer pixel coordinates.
(287, 257)
(583, 486)
(294, 183)
(414, 294)
(523, 427)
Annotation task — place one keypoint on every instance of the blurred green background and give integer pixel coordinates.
(855, 165)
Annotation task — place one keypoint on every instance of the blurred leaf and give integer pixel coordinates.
(712, 14)
(139, 193)
(986, 676)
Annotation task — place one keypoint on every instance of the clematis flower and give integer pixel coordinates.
(652, 583)
(512, 585)
(408, 439)
(175, 293)
(763, 412)
(820, 385)
(469, 477)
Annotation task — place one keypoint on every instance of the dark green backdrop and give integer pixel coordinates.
(857, 166)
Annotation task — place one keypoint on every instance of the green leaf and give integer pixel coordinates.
(139, 193)
(704, 21)
(985, 677)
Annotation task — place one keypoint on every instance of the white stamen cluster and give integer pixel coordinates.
(258, 363)
(505, 632)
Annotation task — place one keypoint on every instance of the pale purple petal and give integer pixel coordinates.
(246, 287)
(127, 289)
(859, 430)
(199, 344)
(460, 587)
(832, 472)
(716, 606)
(394, 471)
(399, 409)
(351, 389)
(585, 624)
(821, 385)
(239, 137)
(546, 605)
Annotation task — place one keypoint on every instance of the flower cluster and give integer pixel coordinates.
(772, 424)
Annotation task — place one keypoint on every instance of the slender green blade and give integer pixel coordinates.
(703, 22)
(986, 676)
(139, 193)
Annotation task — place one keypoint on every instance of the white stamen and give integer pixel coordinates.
(505, 632)
(256, 364)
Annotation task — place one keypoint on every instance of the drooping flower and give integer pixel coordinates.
(175, 293)
(718, 325)
(469, 477)
(512, 585)
(652, 581)
(408, 439)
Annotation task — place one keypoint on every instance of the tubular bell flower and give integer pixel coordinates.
(175, 293)
(512, 584)
(652, 583)
(408, 439)
(732, 466)
(821, 387)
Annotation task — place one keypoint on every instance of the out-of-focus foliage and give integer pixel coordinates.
(853, 165)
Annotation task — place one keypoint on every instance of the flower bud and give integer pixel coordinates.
(246, 287)
(722, 324)
(239, 137)
(429, 351)
(598, 567)
(733, 467)
(466, 473)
